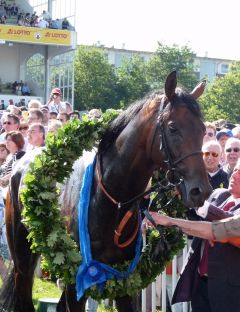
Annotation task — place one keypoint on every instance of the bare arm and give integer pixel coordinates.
(200, 229)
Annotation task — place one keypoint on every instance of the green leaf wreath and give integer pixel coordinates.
(42, 214)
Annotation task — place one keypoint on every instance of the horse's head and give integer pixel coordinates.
(181, 132)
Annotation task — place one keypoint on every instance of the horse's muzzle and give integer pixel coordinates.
(194, 196)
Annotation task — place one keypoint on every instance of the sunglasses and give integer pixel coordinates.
(7, 123)
(23, 128)
(210, 134)
(207, 154)
(234, 149)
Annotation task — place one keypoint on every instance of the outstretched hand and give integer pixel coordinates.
(158, 218)
(161, 218)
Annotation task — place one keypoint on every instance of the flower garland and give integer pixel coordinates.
(47, 232)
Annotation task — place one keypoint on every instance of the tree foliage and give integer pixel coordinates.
(169, 58)
(221, 99)
(132, 79)
(95, 79)
(100, 85)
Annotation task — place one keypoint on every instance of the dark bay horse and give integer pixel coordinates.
(161, 131)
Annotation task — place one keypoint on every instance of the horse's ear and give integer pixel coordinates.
(199, 89)
(170, 85)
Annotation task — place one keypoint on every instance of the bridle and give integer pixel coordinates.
(160, 187)
(165, 148)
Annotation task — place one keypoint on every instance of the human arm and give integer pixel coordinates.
(200, 229)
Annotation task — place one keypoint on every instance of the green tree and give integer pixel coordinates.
(222, 98)
(95, 80)
(132, 79)
(169, 58)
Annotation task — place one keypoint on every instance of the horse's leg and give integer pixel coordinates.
(125, 304)
(24, 263)
(24, 267)
(68, 301)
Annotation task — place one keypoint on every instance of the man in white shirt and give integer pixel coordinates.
(43, 24)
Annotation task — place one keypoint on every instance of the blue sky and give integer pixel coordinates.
(208, 27)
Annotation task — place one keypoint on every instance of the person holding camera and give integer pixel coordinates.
(55, 104)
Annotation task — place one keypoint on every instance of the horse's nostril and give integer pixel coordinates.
(195, 191)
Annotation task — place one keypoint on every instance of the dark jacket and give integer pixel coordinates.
(219, 180)
(223, 264)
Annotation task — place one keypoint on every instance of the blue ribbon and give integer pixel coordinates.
(92, 272)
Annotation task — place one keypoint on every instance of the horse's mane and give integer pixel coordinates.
(118, 124)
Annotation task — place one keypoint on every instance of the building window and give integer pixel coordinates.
(224, 69)
(35, 69)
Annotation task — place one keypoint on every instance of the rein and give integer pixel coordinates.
(158, 187)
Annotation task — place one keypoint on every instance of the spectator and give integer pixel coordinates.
(222, 136)
(55, 24)
(54, 126)
(46, 16)
(210, 132)
(2, 105)
(45, 111)
(68, 107)
(23, 128)
(219, 290)
(14, 87)
(211, 157)
(14, 143)
(3, 19)
(15, 110)
(43, 24)
(10, 102)
(52, 116)
(55, 104)
(34, 104)
(74, 114)
(36, 136)
(94, 114)
(63, 118)
(3, 153)
(232, 153)
(65, 24)
(35, 116)
(236, 132)
(10, 123)
(25, 89)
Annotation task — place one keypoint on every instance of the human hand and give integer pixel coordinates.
(160, 218)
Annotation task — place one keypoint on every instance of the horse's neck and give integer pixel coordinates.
(127, 167)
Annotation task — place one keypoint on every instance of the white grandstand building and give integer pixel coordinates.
(41, 57)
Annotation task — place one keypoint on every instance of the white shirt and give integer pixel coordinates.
(57, 108)
(43, 24)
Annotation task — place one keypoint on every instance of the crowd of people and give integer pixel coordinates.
(209, 278)
(21, 88)
(30, 19)
(24, 129)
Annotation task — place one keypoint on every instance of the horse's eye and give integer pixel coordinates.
(172, 129)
